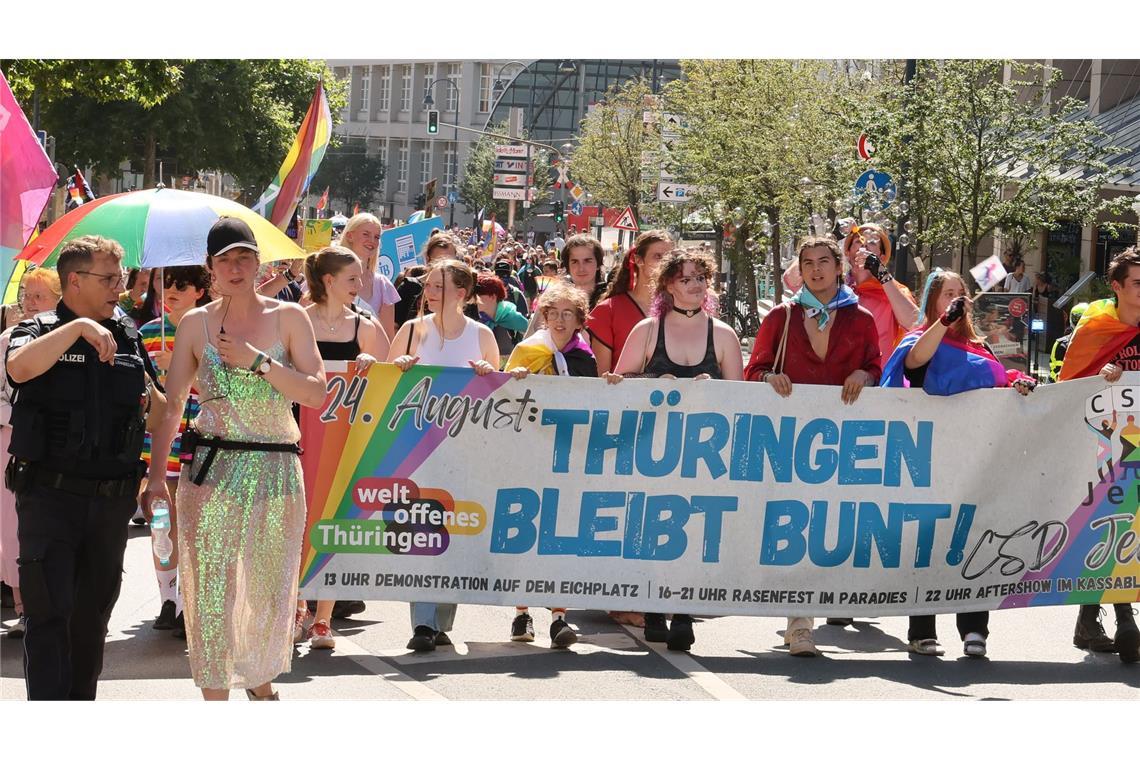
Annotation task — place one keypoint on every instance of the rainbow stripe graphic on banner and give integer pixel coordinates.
(280, 199)
(337, 455)
(1089, 528)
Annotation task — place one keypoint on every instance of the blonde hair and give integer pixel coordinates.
(47, 277)
(357, 221)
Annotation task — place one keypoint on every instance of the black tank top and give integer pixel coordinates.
(661, 364)
(341, 350)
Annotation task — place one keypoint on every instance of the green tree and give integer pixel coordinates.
(351, 173)
(234, 116)
(619, 150)
(987, 151)
(763, 143)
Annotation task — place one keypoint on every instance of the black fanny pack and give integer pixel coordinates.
(191, 441)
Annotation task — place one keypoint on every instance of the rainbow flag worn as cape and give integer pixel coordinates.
(956, 367)
(280, 199)
(1099, 337)
(27, 177)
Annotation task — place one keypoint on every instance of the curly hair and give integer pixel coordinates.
(672, 267)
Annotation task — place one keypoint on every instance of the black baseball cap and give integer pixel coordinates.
(227, 233)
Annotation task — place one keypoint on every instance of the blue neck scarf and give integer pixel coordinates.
(845, 296)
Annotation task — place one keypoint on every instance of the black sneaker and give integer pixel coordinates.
(1089, 633)
(522, 628)
(655, 628)
(165, 619)
(842, 622)
(442, 639)
(179, 631)
(342, 610)
(680, 634)
(561, 634)
(423, 639)
(1127, 638)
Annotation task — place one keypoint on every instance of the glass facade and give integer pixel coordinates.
(555, 95)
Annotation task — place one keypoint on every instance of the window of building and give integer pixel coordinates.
(402, 169)
(405, 88)
(385, 88)
(450, 165)
(382, 153)
(425, 163)
(485, 84)
(455, 75)
(366, 90)
(429, 77)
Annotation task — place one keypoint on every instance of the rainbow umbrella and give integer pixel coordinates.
(157, 228)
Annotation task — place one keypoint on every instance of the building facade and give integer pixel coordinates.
(386, 109)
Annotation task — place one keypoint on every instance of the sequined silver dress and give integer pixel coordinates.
(239, 533)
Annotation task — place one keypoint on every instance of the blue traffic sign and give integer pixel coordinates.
(879, 181)
(452, 197)
(576, 208)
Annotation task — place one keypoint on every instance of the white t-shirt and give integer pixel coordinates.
(383, 294)
(1014, 285)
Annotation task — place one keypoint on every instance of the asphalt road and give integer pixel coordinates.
(734, 658)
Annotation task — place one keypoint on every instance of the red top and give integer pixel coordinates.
(611, 322)
(853, 344)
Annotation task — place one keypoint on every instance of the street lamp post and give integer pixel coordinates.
(428, 103)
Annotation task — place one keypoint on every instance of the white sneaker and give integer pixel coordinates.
(801, 643)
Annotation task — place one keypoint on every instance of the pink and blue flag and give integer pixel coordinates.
(27, 177)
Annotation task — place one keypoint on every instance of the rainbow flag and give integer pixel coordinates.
(26, 179)
(1097, 340)
(280, 199)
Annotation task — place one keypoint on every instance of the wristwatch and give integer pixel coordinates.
(262, 364)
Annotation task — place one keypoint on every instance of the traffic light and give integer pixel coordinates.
(559, 212)
(420, 200)
(433, 122)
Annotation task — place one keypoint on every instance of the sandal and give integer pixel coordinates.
(272, 697)
(929, 647)
(974, 645)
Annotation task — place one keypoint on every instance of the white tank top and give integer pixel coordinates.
(452, 353)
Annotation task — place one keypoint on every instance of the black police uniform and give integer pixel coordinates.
(77, 436)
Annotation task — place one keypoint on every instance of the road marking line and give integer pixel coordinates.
(683, 662)
(390, 673)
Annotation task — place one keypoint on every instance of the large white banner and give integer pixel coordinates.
(714, 497)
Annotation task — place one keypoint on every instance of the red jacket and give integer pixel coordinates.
(853, 344)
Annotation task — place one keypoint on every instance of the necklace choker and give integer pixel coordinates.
(688, 312)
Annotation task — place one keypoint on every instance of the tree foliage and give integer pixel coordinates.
(234, 116)
(763, 143)
(987, 151)
(618, 148)
(351, 173)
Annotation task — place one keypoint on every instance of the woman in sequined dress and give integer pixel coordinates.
(241, 502)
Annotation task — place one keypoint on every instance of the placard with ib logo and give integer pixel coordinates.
(400, 247)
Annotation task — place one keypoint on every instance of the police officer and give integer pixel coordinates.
(83, 382)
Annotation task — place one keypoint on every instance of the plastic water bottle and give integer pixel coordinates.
(160, 531)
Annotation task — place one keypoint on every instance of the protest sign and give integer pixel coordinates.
(719, 497)
(318, 234)
(400, 246)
